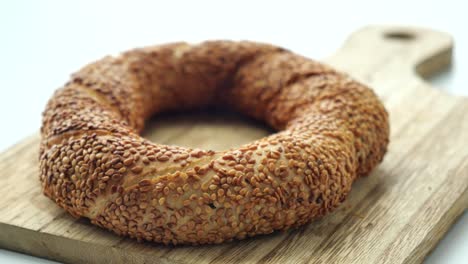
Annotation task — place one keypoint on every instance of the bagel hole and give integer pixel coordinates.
(210, 129)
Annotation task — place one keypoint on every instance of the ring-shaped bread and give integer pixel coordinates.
(93, 163)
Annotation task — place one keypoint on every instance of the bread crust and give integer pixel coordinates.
(94, 164)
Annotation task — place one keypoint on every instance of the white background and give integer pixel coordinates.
(42, 42)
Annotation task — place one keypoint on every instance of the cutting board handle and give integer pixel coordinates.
(394, 50)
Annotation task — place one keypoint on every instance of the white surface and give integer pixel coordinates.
(42, 42)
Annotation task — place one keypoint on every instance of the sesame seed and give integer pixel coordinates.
(136, 169)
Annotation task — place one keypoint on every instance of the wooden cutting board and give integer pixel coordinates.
(397, 215)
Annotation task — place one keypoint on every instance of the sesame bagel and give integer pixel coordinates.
(94, 164)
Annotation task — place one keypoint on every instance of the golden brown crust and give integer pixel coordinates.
(94, 164)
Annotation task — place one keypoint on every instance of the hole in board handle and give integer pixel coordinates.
(400, 35)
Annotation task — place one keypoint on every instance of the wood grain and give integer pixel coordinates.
(397, 215)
